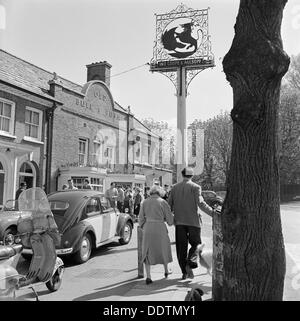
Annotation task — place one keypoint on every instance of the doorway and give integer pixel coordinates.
(27, 175)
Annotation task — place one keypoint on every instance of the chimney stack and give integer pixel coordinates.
(99, 71)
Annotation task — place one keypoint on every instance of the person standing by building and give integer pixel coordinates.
(156, 246)
(86, 184)
(137, 202)
(22, 188)
(147, 192)
(120, 199)
(71, 185)
(128, 202)
(166, 192)
(112, 194)
(184, 199)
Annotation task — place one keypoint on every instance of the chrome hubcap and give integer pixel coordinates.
(126, 232)
(9, 239)
(85, 248)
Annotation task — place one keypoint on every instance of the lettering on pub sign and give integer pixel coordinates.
(98, 103)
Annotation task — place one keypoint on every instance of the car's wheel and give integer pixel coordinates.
(55, 282)
(85, 249)
(9, 236)
(126, 234)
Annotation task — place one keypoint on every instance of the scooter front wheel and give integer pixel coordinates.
(55, 282)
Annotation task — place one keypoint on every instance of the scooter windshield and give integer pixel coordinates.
(34, 200)
(41, 220)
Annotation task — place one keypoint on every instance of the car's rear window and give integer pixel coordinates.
(59, 206)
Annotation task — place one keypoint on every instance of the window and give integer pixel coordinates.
(109, 157)
(33, 123)
(59, 205)
(97, 184)
(138, 152)
(93, 205)
(145, 153)
(104, 203)
(27, 174)
(82, 152)
(7, 115)
(78, 181)
(26, 169)
(97, 153)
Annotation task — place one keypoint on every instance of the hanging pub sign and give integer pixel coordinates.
(182, 39)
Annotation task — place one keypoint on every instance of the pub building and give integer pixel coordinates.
(52, 129)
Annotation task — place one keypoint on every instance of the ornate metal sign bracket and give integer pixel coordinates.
(182, 49)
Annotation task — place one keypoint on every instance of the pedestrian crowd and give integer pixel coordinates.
(126, 199)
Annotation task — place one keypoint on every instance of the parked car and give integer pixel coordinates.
(9, 216)
(86, 221)
(212, 199)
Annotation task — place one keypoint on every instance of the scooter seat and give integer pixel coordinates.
(7, 251)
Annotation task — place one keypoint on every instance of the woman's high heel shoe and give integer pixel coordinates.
(148, 281)
(167, 273)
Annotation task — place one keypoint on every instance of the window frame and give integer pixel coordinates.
(86, 151)
(92, 213)
(110, 164)
(95, 155)
(138, 146)
(40, 113)
(12, 118)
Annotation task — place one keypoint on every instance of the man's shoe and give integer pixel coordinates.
(189, 272)
(183, 276)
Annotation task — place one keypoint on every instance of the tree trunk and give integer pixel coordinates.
(253, 249)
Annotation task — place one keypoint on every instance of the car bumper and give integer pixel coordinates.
(58, 251)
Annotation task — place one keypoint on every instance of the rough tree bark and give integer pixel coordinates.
(253, 250)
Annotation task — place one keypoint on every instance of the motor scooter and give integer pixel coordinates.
(39, 232)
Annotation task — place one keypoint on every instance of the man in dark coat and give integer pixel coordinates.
(184, 199)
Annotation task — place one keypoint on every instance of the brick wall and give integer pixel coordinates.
(71, 122)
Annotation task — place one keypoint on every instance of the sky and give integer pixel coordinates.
(63, 36)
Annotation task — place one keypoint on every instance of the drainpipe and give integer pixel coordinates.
(50, 114)
(127, 141)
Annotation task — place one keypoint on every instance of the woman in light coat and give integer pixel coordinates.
(156, 246)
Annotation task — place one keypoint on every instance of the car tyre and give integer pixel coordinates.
(9, 236)
(55, 282)
(85, 249)
(126, 233)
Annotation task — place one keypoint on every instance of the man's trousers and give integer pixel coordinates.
(185, 234)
